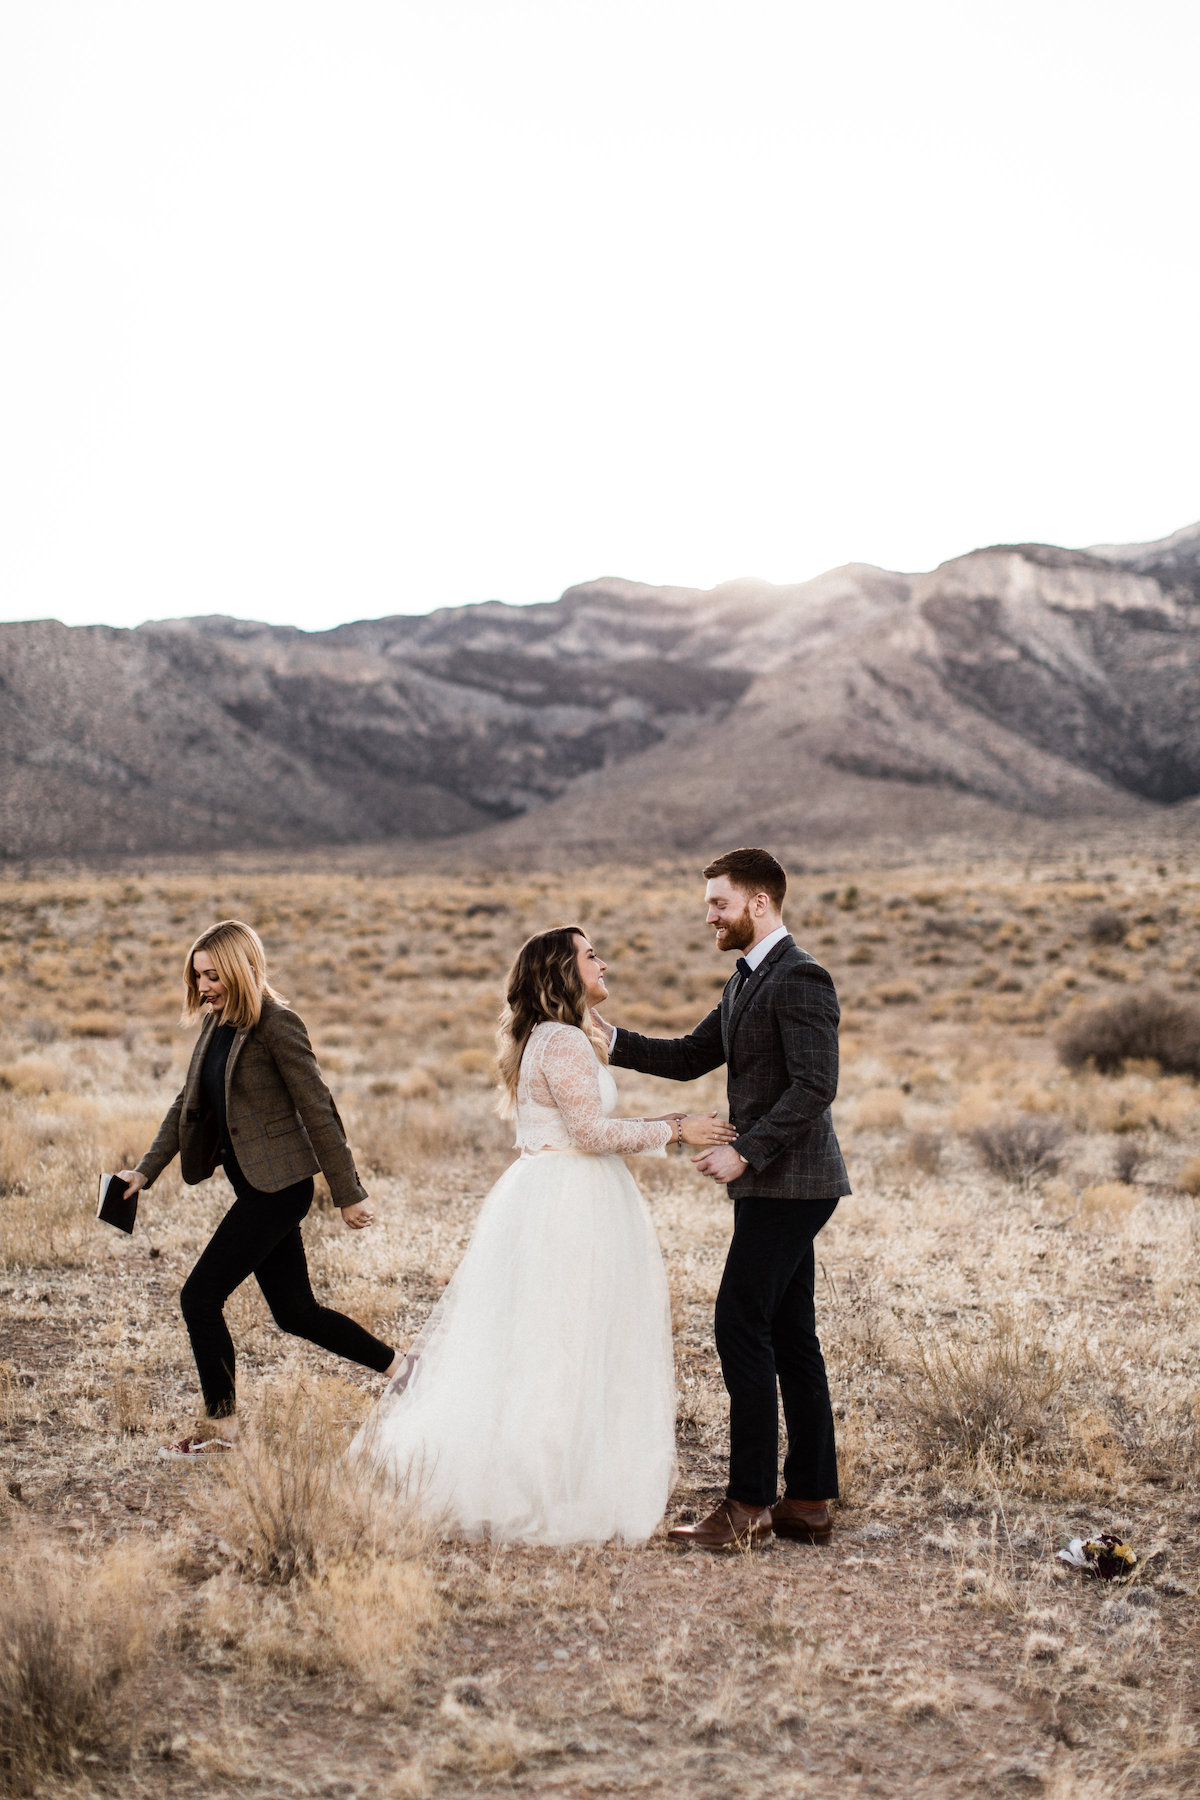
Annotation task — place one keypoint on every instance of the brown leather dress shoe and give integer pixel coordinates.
(809, 1521)
(730, 1526)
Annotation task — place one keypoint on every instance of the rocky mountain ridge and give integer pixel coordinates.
(1014, 680)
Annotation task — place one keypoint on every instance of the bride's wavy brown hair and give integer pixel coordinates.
(543, 983)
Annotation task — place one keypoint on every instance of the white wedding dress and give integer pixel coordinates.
(541, 1404)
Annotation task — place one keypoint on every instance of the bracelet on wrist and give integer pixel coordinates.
(679, 1131)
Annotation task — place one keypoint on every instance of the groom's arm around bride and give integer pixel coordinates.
(776, 1030)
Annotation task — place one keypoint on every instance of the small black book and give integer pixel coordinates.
(113, 1207)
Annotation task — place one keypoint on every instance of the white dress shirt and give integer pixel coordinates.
(765, 946)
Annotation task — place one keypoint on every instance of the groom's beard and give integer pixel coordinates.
(736, 934)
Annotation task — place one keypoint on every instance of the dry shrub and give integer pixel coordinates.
(121, 1138)
(1148, 1024)
(1165, 1439)
(9, 1396)
(16, 1156)
(1108, 1199)
(1107, 926)
(289, 1503)
(1128, 1159)
(1059, 1201)
(416, 1084)
(45, 1229)
(373, 1615)
(1096, 1444)
(859, 1465)
(1136, 1102)
(335, 1544)
(936, 1699)
(861, 1325)
(977, 1107)
(1021, 1148)
(991, 1398)
(368, 1618)
(1188, 1178)
(73, 1637)
(129, 1403)
(96, 1023)
(897, 993)
(500, 1747)
(31, 1075)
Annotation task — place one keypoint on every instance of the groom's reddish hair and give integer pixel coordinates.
(753, 872)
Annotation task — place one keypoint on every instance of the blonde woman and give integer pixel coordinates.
(254, 1103)
(538, 1403)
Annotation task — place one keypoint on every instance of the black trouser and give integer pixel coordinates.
(766, 1330)
(260, 1236)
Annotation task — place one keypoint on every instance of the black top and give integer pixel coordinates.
(212, 1084)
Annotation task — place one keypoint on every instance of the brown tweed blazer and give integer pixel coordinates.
(282, 1118)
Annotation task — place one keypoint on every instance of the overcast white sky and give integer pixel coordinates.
(319, 311)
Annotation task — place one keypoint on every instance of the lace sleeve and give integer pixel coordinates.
(572, 1074)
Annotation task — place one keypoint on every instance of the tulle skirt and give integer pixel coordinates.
(541, 1405)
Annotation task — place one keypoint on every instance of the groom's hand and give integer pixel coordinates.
(722, 1163)
(602, 1023)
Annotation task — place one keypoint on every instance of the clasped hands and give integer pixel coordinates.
(718, 1159)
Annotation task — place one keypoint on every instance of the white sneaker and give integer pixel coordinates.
(188, 1449)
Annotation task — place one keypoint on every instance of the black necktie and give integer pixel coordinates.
(745, 971)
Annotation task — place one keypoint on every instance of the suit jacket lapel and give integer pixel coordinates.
(751, 984)
(235, 1050)
(726, 1010)
(197, 1062)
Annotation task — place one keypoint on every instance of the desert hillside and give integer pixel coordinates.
(1014, 682)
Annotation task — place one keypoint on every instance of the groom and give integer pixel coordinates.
(776, 1030)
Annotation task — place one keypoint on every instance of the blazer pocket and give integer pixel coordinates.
(278, 1126)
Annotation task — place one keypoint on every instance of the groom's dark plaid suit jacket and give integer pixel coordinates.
(777, 1032)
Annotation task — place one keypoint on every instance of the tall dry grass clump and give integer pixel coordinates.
(73, 1638)
(1107, 926)
(289, 1503)
(988, 1399)
(16, 1155)
(1021, 1148)
(1149, 1024)
(337, 1546)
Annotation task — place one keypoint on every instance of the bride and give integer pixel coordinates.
(538, 1402)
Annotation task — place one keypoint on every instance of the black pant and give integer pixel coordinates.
(766, 1330)
(260, 1236)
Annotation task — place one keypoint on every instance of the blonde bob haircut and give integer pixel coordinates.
(241, 962)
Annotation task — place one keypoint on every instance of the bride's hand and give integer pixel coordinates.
(705, 1129)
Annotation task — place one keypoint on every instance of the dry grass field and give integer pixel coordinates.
(1008, 1305)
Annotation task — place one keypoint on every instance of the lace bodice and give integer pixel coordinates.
(564, 1097)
